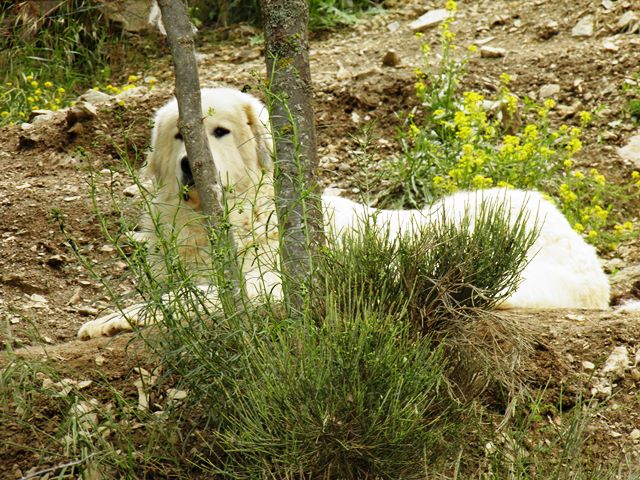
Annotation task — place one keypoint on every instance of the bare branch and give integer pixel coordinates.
(180, 35)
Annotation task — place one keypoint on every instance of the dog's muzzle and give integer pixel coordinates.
(187, 178)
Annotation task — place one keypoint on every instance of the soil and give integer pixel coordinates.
(47, 291)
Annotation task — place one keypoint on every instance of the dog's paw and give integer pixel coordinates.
(112, 324)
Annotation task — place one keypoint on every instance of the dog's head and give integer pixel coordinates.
(237, 128)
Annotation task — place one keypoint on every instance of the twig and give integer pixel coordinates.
(57, 467)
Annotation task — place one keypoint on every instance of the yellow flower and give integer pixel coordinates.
(132, 78)
(48, 84)
(61, 90)
(597, 176)
(574, 145)
(38, 92)
(505, 79)
(592, 234)
(578, 175)
(419, 34)
(4, 113)
(34, 84)
(29, 78)
(451, 6)
(438, 180)
(585, 118)
(578, 227)
(22, 115)
(568, 163)
(472, 48)
(549, 103)
(635, 175)
(440, 112)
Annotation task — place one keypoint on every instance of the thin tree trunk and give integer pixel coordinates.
(297, 192)
(180, 36)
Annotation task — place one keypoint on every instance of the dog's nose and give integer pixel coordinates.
(184, 165)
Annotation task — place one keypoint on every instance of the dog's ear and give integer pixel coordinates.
(159, 159)
(258, 121)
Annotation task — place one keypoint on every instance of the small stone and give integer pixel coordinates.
(56, 261)
(87, 311)
(617, 363)
(429, 20)
(549, 90)
(576, 318)
(548, 30)
(132, 92)
(391, 59)
(100, 360)
(106, 248)
(635, 434)
(393, 26)
(607, 4)
(615, 434)
(628, 21)
(131, 191)
(609, 45)
(492, 52)
(588, 365)
(635, 374)
(631, 151)
(94, 96)
(584, 27)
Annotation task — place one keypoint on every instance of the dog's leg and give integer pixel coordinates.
(140, 315)
(114, 323)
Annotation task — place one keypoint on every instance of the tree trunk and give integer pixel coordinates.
(180, 35)
(297, 192)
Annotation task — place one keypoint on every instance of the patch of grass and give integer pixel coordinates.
(464, 140)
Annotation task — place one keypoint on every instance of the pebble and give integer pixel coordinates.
(584, 27)
(391, 59)
(492, 52)
(548, 30)
(429, 20)
(549, 90)
(628, 21)
(588, 365)
(617, 363)
(635, 434)
(631, 151)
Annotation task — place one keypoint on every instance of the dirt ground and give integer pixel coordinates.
(46, 292)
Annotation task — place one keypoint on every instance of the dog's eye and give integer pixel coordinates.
(220, 132)
(178, 136)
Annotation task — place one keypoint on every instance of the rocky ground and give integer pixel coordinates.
(584, 54)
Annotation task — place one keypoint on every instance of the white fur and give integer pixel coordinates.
(563, 272)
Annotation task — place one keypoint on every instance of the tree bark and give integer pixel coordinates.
(298, 203)
(180, 35)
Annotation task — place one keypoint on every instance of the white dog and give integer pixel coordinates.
(563, 271)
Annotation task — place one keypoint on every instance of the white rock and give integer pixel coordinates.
(393, 26)
(132, 92)
(94, 96)
(549, 90)
(588, 365)
(492, 52)
(429, 20)
(609, 45)
(635, 434)
(607, 4)
(617, 363)
(627, 20)
(631, 151)
(584, 27)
